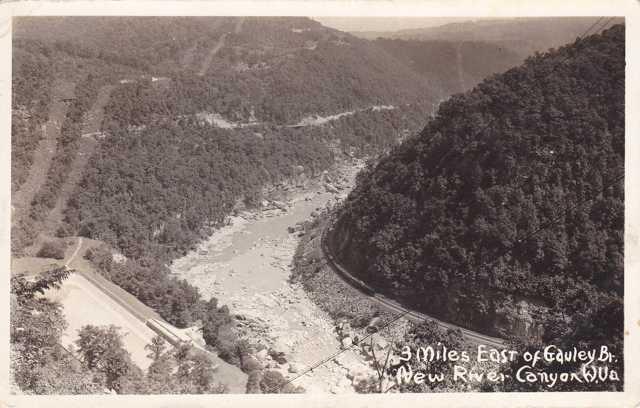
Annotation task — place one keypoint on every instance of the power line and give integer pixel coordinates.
(546, 225)
(331, 357)
(554, 220)
(506, 251)
(395, 319)
(604, 25)
(493, 120)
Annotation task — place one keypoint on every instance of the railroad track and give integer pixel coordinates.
(414, 316)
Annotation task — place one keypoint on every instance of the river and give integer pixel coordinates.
(247, 265)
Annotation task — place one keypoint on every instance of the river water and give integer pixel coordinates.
(247, 265)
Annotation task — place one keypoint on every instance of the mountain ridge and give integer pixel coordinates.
(495, 165)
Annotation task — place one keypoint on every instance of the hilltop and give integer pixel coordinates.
(524, 36)
(247, 99)
(506, 213)
(457, 56)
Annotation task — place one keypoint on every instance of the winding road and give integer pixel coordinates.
(394, 307)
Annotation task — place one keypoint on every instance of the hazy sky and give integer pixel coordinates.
(386, 23)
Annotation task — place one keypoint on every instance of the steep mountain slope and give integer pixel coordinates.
(173, 122)
(283, 68)
(506, 213)
(233, 88)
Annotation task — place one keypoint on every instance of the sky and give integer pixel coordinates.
(351, 24)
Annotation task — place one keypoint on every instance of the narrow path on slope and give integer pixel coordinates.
(461, 81)
(316, 120)
(187, 61)
(209, 59)
(90, 131)
(45, 150)
(74, 253)
(238, 26)
(218, 120)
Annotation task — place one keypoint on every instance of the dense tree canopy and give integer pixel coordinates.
(156, 156)
(511, 194)
(40, 364)
(551, 144)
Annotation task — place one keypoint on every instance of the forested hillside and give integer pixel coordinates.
(457, 56)
(154, 129)
(506, 213)
(258, 77)
(282, 69)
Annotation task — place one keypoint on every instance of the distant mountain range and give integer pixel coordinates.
(523, 36)
(457, 56)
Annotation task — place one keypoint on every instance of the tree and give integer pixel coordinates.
(25, 290)
(195, 372)
(509, 191)
(52, 249)
(102, 350)
(156, 347)
(425, 334)
(272, 382)
(384, 383)
(40, 364)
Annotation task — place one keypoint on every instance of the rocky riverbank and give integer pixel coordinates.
(247, 266)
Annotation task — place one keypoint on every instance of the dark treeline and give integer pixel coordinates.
(281, 68)
(511, 193)
(312, 83)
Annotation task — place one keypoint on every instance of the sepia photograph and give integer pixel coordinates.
(317, 205)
